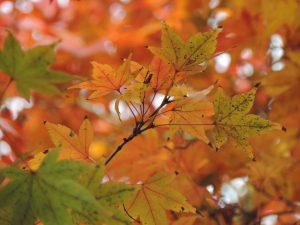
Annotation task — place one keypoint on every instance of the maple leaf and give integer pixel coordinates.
(196, 50)
(72, 146)
(30, 68)
(160, 74)
(232, 121)
(106, 79)
(188, 220)
(178, 91)
(288, 14)
(269, 175)
(190, 114)
(110, 195)
(153, 197)
(135, 93)
(47, 194)
(34, 163)
(6, 215)
(145, 152)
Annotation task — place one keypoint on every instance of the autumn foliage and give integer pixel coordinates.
(149, 112)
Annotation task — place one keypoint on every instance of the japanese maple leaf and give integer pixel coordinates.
(73, 146)
(233, 123)
(160, 74)
(153, 197)
(183, 56)
(269, 175)
(191, 114)
(47, 194)
(106, 79)
(110, 195)
(29, 69)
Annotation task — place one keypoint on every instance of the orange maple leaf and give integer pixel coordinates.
(106, 79)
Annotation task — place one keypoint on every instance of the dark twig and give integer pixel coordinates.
(136, 131)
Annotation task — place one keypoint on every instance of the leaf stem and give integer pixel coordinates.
(184, 124)
(135, 119)
(136, 131)
(151, 102)
(138, 112)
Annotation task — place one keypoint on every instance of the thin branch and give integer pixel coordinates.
(164, 102)
(151, 102)
(184, 124)
(136, 131)
(128, 105)
(143, 107)
(138, 112)
(135, 119)
(125, 141)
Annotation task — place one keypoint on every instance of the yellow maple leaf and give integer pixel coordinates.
(233, 123)
(34, 163)
(190, 115)
(73, 146)
(153, 197)
(196, 50)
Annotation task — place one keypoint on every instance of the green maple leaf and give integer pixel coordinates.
(233, 123)
(196, 50)
(29, 69)
(110, 195)
(6, 215)
(47, 194)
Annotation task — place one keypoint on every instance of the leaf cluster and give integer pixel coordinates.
(29, 69)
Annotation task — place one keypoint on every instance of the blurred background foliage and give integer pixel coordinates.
(259, 42)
